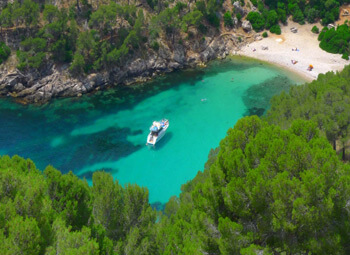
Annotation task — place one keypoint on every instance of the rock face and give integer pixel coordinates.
(12, 38)
(55, 81)
(239, 8)
(247, 26)
(3, 3)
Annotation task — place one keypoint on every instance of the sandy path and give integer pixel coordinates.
(280, 51)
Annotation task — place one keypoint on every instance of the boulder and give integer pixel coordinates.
(247, 26)
(235, 22)
(239, 8)
(179, 54)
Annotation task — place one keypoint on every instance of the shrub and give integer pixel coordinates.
(276, 29)
(254, 2)
(345, 56)
(315, 30)
(228, 19)
(257, 21)
(335, 40)
(239, 17)
(5, 52)
(32, 54)
(202, 28)
(155, 45)
(298, 16)
(311, 15)
(213, 19)
(271, 19)
(264, 34)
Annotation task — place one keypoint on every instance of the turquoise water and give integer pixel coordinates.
(108, 130)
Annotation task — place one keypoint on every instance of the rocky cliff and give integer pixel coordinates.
(52, 81)
(55, 81)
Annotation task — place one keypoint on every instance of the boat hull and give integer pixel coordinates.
(152, 139)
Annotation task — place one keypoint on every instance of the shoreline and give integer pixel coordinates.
(281, 52)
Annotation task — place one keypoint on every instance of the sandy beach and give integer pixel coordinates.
(281, 51)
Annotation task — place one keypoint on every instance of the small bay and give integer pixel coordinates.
(108, 129)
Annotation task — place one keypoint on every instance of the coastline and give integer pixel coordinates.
(54, 81)
(281, 51)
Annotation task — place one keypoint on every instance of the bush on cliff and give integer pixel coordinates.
(5, 52)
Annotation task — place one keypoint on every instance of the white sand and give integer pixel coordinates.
(280, 51)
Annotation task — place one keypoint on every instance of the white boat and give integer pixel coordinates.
(157, 131)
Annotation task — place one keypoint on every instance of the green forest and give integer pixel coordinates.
(279, 184)
(92, 38)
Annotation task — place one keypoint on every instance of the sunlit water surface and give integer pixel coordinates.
(108, 130)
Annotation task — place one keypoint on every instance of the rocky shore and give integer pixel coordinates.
(55, 81)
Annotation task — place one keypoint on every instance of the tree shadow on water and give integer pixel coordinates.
(108, 145)
(88, 174)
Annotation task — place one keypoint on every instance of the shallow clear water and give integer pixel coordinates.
(108, 130)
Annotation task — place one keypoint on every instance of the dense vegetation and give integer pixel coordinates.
(326, 11)
(60, 214)
(96, 38)
(326, 101)
(264, 191)
(336, 40)
(270, 12)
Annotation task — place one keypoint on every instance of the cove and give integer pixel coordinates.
(108, 129)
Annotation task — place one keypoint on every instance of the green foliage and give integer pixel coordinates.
(254, 2)
(228, 21)
(311, 15)
(78, 64)
(271, 19)
(104, 18)
(264, 35)
(5, 52)
(193, 18)
(282, 13)
(155, 45)
(32, 54)
(6, 17)
(335, 40)
(284, 189)
(257, 20)
(51, 213)
(315, 30)
(298, 16)
(213, 19)
(119, 30)
(276, 29)
(345, 56)
(30, 12)
(23, 236)
(323, 101)
(239, 17)
(50, 13)
(70, 197)
(67, 241)
(268, 178)
(179, 7)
